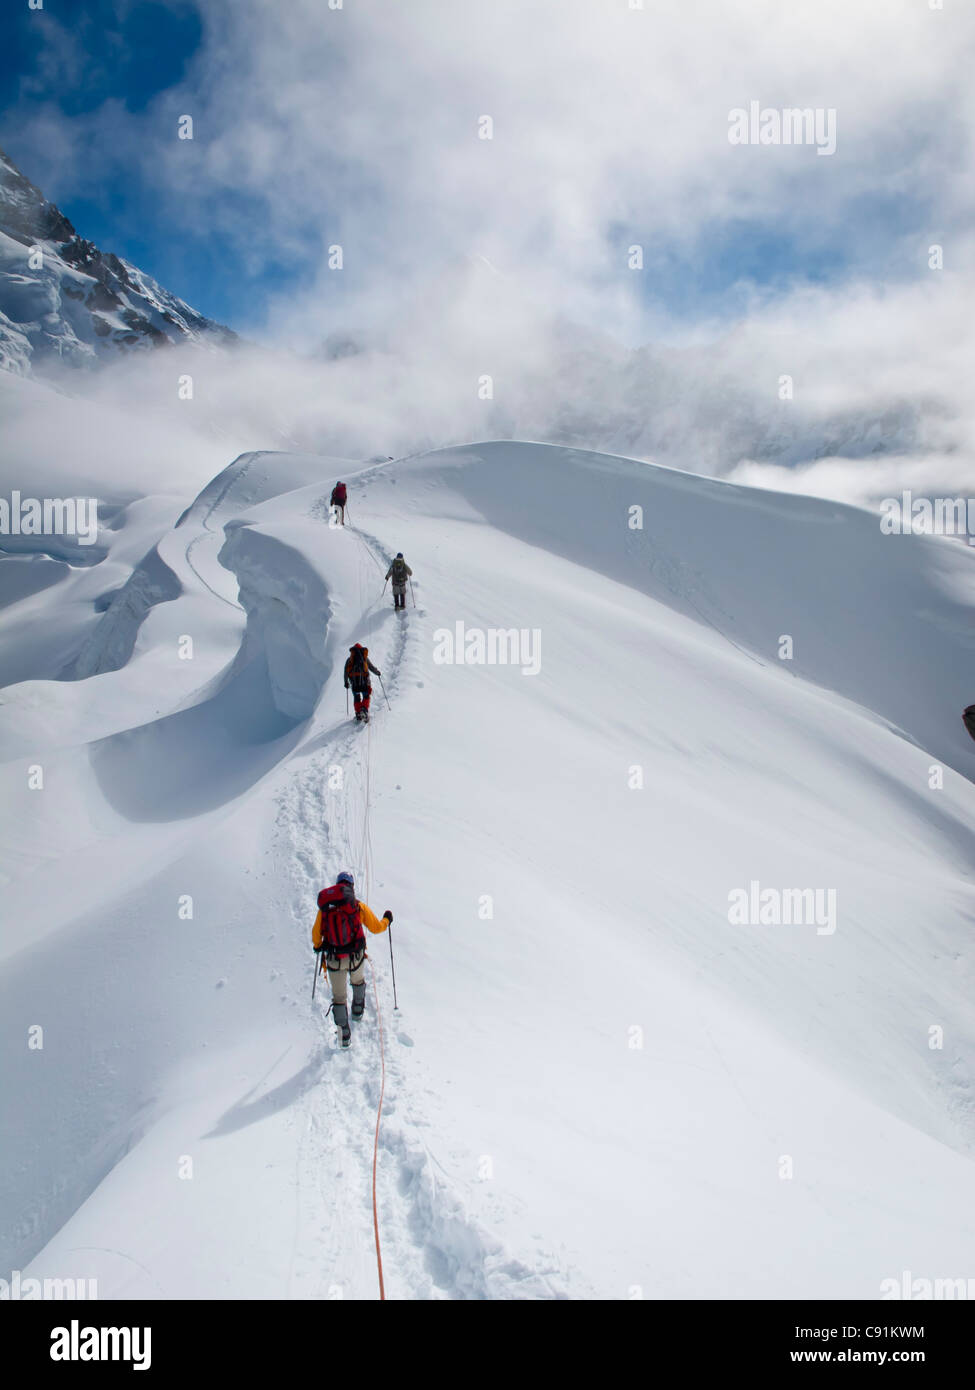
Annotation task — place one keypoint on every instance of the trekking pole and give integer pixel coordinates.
(392, 964)
(388, 705)
(384, 589)
(318, 966)
(412, 594)
(346, 701)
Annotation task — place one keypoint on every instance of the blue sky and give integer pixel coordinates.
(313, 121)
(133, 53)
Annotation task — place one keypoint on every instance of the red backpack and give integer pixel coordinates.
(342, 933)
(357, 666)
(339, 495)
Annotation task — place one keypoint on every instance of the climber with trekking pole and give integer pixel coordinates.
(400, 572)
(357, 670)
(340, 944)
(392, 964)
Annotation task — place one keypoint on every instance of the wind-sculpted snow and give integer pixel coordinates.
(598, 1071)
(287, 609)
(22, 576)
(112, 642)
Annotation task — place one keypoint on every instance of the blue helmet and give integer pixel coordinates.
(346, 878)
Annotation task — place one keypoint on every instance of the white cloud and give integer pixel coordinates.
(359, 126)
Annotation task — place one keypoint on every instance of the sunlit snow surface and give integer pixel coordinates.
(597, 1085)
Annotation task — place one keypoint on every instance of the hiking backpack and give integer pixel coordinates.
(339, 495)
(357, 666)
(399, 571)
(342, 933)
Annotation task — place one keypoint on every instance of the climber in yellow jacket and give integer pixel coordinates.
(338, 937)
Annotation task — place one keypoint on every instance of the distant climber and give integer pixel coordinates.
(400, 572)
(357, 680)
(339, 940)
(339, 499)
(969, 720)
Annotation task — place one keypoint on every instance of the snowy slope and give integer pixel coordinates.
(596, 1089)
(77, 305)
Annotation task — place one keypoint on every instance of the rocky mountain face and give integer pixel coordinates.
(62, 300)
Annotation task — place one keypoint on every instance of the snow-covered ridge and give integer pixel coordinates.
(79, 304)
(882, 620)
(115, 585)
(612, 1165)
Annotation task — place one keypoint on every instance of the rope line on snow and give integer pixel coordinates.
(365, 860)
(367, 869)
(375, 1145)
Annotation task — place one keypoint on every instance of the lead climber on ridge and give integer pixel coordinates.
(338, 500)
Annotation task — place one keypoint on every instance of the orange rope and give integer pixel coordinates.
(367, 855)
(366, 866)
(375, 1148)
